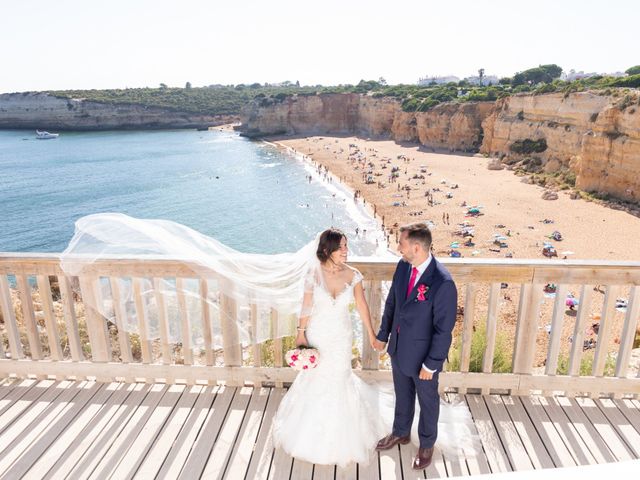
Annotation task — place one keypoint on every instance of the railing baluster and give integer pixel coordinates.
(467, 328)
(586, 293)
(527, 329)
(557, 321)
(141, 314)
(631, 323)
(185, 323)
(44, 288)
(206, 321)
(120, 314)
(70, 318)
(491, 331)
(256, 351)
(604, 332)
(278, 359)
(96, 324)
(232, 353)
(9, 316)
(373, 294)
(162, 320)
(28, 316)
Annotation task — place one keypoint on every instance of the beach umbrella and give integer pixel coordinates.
(571, 302)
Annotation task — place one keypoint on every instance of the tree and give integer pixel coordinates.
(633, 70)
(298, 83)
(382, 81)
(187, 85)
(163, 86)
(481, 75)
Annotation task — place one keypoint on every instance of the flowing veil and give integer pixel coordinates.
(104, 244)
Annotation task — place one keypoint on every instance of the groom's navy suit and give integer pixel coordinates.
(418, 333)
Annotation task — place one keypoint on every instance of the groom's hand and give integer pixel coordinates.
(425, 374)
(378, 345)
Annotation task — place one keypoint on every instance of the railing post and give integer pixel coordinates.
(9, 316)
(373, 294)
(96, 324)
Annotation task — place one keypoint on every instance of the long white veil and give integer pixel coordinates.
(170, 262)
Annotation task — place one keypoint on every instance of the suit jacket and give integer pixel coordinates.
(425, 326)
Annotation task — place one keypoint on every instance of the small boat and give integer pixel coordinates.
(46, 135)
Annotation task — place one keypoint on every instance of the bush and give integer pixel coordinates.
(527, 146)
(501, 356)
(586, 365)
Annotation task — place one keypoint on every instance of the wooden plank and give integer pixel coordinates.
(546, 430)
(407, 454)
(26, 429)
(532, 442)
(508, 434)
(32, 400)
(263, 452)
(40, 445)
(630, 411)
(225, 444)
(13, 393)
(282, 464)
(9, 317)
(582, 319)
(604, 333)
(120, 314)
(143, 320)
(62, 443)
(467, 327)
(627, 336)
(96, 324)
(239, 460)
(320, 472)
(70, 318)
(373, 293)
(206, 321)
(99, 415)
(586, 430)
(185, 322)
(621, 424)
(493, 448)
(205, 441)
(44, 288)
(302, 470)
(175, 458)
(134, 453)
(345, 473)
(28, 316)
(370, 470)
(112, 431)
(117, 454)
(611, 439)
(476, 461)
(557, 321)
(162, 321)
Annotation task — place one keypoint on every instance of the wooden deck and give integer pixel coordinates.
(85, 429)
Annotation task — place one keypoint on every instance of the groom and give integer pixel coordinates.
(419, 315)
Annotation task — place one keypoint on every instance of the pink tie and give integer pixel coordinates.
(412, 280)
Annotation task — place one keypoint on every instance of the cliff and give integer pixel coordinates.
(46, 112)
(455, 127)
(591, 140)
(595, 137)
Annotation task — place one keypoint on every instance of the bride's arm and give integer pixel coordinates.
(363, 310)
(303, 319)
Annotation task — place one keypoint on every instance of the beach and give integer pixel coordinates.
(508, 209)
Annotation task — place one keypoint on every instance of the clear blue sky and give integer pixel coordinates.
(64, 44)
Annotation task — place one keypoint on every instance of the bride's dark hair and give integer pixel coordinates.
(329, 242)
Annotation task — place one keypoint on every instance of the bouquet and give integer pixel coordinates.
(302, 358)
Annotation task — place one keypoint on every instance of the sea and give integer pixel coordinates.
(250, 195)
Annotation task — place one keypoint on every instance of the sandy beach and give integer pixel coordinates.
(431, 186)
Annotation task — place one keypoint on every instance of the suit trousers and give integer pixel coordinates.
(406, 388)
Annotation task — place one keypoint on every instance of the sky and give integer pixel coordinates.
(73, 44)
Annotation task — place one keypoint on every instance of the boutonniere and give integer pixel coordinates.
(422, 290)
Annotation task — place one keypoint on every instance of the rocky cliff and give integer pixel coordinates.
(594, 136)
(46, 112)
(455, 127)
(591, 138)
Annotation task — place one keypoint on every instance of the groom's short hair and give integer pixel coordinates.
(418, 232)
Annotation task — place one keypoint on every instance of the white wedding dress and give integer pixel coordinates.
(331, 416)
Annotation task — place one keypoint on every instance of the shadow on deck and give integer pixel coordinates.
(85, 429)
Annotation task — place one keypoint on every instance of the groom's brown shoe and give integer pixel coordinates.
(423, 459)
(391, 441)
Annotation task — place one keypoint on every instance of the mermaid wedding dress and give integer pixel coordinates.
(330, 415)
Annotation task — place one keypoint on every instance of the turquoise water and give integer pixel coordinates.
(247, 194)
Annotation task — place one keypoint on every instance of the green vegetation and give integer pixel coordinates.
(501, 357)
(230, 99)
(586, 365)
(527, 146)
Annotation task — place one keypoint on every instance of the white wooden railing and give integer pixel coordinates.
(37, 341)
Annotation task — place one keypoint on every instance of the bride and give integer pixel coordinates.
(329, 415)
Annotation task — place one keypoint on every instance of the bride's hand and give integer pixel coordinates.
(301, 339)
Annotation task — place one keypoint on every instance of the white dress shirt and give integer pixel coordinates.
(421, 269)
